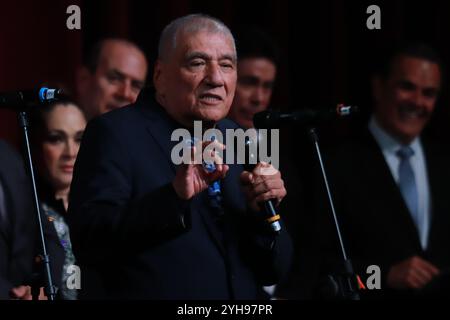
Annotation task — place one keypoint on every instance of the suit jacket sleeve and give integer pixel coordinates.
(103, 211)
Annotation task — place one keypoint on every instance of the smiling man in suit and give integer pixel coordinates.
(389, 183)
(153, 229)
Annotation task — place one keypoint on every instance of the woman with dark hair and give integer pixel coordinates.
(57, 130)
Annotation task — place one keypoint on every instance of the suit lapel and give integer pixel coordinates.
(160, 127)
(158, 124)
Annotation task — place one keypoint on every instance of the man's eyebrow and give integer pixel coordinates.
(406, 82)
(230, 57)
(202, 55)
(123, 75)
(197, 54)
(117, 72)
(248, 78)
(138, 83)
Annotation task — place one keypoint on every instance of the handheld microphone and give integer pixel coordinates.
(26, 98)
(272, 217)
(274, 119)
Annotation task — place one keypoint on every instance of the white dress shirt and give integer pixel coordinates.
(389, 146)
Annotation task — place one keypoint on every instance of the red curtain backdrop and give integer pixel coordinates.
(326, 49)
(36, 47)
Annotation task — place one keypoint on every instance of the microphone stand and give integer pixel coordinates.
(50, 289)
(345, 279)
(271, 219)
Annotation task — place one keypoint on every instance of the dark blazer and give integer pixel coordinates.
(128, 224)
(17, 228)
(376, 225)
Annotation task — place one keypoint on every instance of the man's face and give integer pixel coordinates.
(117, 81)
(406, 99)
(256, 77)
(197, 80)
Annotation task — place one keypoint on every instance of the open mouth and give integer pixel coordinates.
(412, 112)
(210, 98)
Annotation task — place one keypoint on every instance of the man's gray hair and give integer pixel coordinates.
(190, 24)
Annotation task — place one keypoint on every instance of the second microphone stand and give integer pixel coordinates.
(345, 280)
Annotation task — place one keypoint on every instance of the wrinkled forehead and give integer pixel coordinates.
(115, 54)
(214, 42)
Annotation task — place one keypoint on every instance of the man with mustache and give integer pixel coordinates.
(389, 184)
(155, 230)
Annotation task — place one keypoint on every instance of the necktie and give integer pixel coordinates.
(214, 189)
(407, 184)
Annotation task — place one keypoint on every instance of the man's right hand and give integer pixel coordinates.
(412, 273)
(191, 179)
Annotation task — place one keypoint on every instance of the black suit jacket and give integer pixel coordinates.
(17, 228)
(128, 224)
(376, 224)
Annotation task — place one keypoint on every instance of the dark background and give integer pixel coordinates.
(327, 57)
(327, 51)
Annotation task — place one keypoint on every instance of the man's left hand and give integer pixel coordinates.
(262, 184)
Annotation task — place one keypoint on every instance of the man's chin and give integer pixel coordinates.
(112, 107)
(408, 133)
(212, 116)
